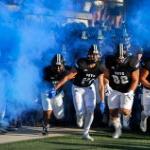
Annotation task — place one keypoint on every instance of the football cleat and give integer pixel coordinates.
(87, 137)
(45, 131)
(117, 133)
(143, 124)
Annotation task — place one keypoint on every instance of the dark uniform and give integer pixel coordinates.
(120, 74)
(120, 80)
(52, 77)
(84, 93)
(55, 103)
(86, 75)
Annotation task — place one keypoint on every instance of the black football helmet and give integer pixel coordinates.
(121, 53)
(94, 54)
(58, 63)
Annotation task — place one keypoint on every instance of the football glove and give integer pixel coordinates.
(52, 92)
(108, 90)
(129, 95)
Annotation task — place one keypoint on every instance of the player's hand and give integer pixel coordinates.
(108, 90)
(129, 95)
(102, 106)
(52, 92)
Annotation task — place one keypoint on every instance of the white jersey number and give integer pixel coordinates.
(120, 79)
(87, 80)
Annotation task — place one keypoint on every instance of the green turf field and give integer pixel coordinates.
(103, 140)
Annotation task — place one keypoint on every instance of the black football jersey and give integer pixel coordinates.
(51, 77)
(85, 75)
(120, 74)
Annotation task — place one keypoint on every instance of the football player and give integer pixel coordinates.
(145, 81)
(52, 100)
(83, 89)
(123, 76)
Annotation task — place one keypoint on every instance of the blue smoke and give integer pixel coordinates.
(29, 38)
(139, 21)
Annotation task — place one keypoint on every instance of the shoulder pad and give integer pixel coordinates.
(134, 62)
(102, 66)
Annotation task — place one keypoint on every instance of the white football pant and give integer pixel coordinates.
(84, 99)
(56, 104)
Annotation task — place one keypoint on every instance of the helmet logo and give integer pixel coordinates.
(95, 49)
(121, 51)
(58, 59)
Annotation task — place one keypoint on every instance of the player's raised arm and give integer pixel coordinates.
(71, 75)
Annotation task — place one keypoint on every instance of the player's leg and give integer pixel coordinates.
(58, 106)
(46, 119)
(115, 120)
(146, 109)
(114, 107)
(126, 107)
(78, 104)
(47, 112)
(90, 102)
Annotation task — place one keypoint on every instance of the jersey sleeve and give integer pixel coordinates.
(134, 63)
